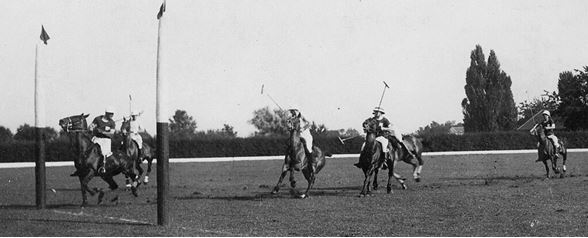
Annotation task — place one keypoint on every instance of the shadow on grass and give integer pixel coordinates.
(285, 193)
(59, 221)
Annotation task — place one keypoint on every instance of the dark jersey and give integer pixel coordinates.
(548, 123)
(382, 122)
(101, 123)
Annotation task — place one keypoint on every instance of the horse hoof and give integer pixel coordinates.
(362, 195)
(134, 191)
(303, 196)
(146, 180)
(389, 190)
(417, 180)
(275, 191)
(404, 186)
(562, 175)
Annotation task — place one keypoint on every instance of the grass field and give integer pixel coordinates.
(475, 195)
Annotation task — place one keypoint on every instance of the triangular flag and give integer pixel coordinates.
(161, 10)
(44, 36)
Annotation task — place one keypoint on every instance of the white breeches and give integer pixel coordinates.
(105, 144)
(383, 141)
(305, 134)
(137, 138)
(555, 140)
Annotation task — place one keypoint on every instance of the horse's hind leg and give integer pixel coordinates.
(375, 180)
(285, 169)
(112, 185)
(546, 169)
(419, 168)
(310, 175)
(149, 163)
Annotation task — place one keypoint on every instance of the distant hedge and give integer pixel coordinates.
(264, 146)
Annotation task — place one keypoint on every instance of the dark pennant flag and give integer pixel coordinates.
(44, 36)
(161, 10)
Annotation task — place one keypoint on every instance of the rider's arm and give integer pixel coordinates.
(304, 124)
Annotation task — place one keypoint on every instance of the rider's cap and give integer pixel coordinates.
(293, 108)
(135, 113)
(546, 113)
(379, 109)
(109, 109)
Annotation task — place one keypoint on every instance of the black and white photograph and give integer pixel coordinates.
(322, 118)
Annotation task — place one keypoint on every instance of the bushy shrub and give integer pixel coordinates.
(59, 150)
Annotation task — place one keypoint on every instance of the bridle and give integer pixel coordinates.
(69, 126)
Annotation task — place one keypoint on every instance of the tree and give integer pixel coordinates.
(182, 125)
(27, 133)
(270, 123)
(527, 109)
(5, 135)
(573, 95)
(435, 128)
(489, 105)
(226, 132)
(350, 132)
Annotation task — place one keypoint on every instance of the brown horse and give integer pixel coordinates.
(401, 153)
(89, 155)
(547, 151)
(371, 157)
(296, 159)
(132, 150)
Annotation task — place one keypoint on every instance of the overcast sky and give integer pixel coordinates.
(328, 57)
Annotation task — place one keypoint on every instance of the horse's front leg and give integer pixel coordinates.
(366, 182)
(285, 169)
(546, 169)
(554, 164)
(398, 178)
(84, 180)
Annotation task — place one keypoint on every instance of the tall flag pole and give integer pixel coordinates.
(162, 151)
(40, 124)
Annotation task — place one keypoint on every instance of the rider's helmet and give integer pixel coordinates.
(546, 113)
(379, 109)
(109, 109)
(135, 113)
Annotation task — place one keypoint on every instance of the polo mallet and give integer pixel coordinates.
(343, 140)
(270, 97)
(382, 98)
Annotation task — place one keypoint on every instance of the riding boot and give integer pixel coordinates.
(385, 165)
(102, 169)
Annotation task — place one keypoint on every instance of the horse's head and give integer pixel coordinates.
(293, 125)
(74, 123)
(370, 126)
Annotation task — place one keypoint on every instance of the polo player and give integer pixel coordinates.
(548, 125)
(134, 127)
(296, 116)
(103, 128)
(382, 130)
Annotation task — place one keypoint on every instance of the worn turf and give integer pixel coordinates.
(476, 195)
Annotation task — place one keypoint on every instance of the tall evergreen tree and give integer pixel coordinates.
(573, 93)
(489, 105)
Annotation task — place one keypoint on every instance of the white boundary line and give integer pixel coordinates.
(280, 157)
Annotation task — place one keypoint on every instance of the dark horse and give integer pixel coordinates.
(400, 153)
(372, 156)
(547, 152)
(296, 158)
(88, 156)
(132, 150)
